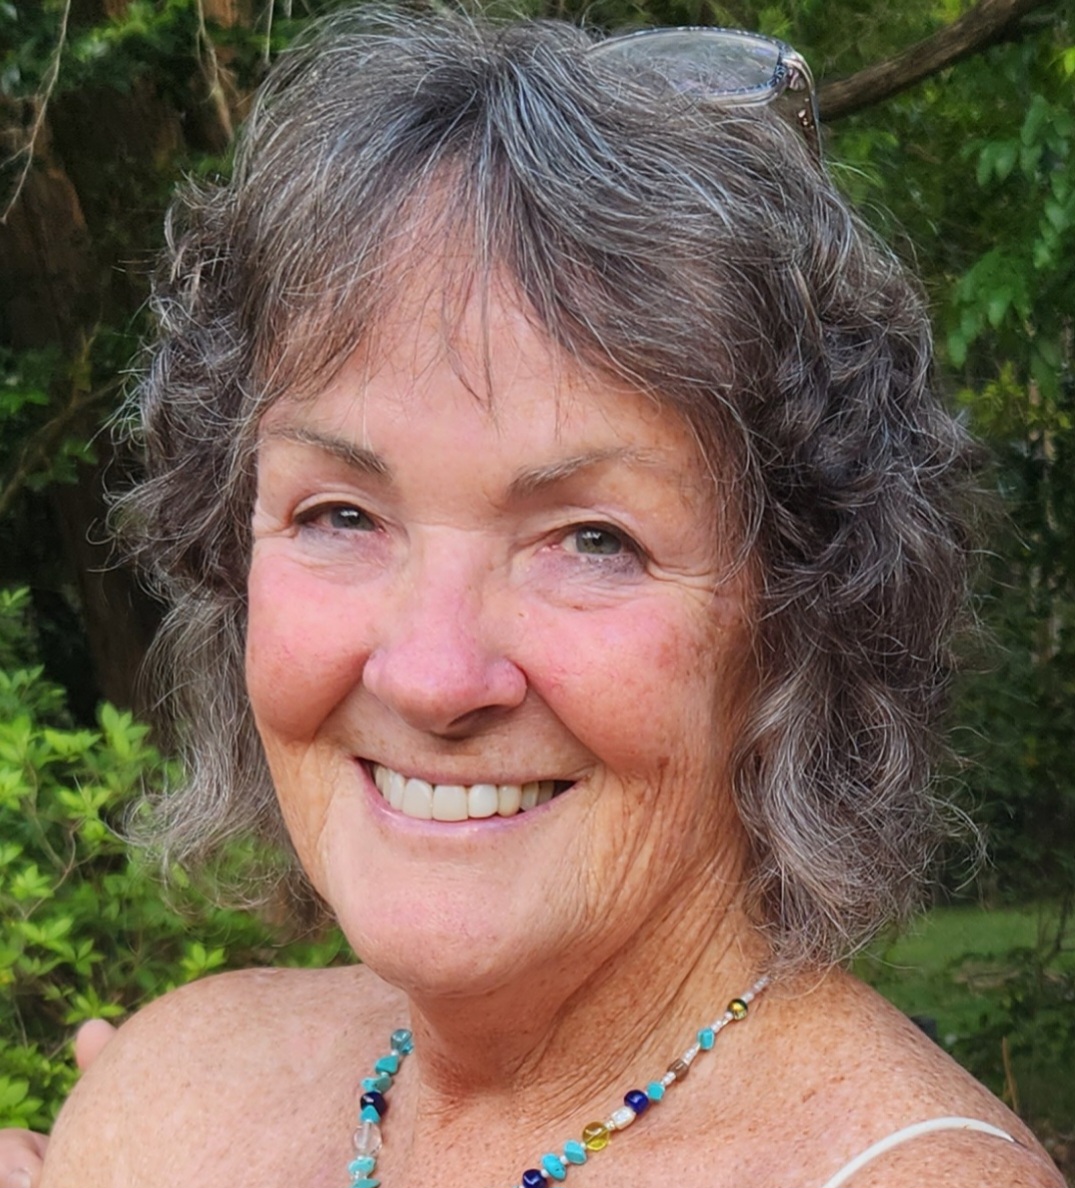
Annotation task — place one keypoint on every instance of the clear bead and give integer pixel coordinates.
(368, 1139)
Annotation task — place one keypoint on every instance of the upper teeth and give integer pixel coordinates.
(458, 802)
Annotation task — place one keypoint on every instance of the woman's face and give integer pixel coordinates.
(480, 577)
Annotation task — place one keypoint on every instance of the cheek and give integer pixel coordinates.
(647, 687)
(304, 650)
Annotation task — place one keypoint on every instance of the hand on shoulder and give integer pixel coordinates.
(22, 1153)
(21, 1157)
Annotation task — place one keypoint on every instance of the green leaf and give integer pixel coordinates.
(1037, 118)
(997, 306)
(1059, 216)
(12, 1093)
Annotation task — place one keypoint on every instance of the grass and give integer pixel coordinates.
(952, 964)
(1003, 1003)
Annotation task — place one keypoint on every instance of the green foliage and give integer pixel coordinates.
(86, 931)
(39, 439)
(1010, 326)
(1025, 1046)
(972, 175)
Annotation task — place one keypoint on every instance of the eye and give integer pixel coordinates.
(336, 517)
(599, 540)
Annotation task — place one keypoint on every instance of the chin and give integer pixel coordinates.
(437, 960)
(453, 934)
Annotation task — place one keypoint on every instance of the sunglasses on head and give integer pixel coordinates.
(728, 67)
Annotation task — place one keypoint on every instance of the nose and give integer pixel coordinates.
(439, 663)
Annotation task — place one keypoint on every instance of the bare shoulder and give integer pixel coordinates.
(862, 1080)
(956, 1158)
(204, 1061)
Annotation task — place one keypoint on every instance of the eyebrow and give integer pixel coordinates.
(356, 457)
(528, 483)
(533, 481)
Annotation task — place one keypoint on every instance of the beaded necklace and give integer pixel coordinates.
(554, 1167)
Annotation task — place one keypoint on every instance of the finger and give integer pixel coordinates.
(91, 1037)
(21, 1156)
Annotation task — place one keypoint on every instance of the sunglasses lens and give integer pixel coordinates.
(714, 62)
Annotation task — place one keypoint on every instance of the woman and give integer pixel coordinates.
(560, 527)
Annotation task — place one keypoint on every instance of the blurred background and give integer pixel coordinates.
(952, 126)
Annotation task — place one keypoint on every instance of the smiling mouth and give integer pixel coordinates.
(461, 802)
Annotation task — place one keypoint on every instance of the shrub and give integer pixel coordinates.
(86, 928)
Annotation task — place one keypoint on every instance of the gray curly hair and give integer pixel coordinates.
(700, 254)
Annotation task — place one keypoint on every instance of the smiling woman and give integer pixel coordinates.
(543, 625)
(564, 543)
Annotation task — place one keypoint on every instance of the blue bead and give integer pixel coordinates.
(365, 1183)
(363, 1165)
(402, 1041)
(387, 1064)
(574, 1152)
(376, 1100)
(655, 1091)
(378, 1084)
(554, 1165)
(637, 1100)
(532, 1178)
(369, 1114)
(706, 1038)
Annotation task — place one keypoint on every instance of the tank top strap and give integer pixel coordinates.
(905, 1135)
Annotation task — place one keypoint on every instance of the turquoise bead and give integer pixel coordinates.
(387, 1064)
(554, 1165)
(369, 1114)
(366, 1183)
(402, 1041)
(655, 1091)
(574, 1152)
(378, 1084)
(362, 1166)
(706, 1038)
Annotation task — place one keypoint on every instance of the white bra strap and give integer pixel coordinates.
(905, 1135)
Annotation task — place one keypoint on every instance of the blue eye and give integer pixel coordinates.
(352, 518)
(593, 540)
(338, 517)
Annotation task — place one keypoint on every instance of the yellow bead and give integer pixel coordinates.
(595, 1136)
(737, 1008)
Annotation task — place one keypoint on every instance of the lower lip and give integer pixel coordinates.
(467, 828)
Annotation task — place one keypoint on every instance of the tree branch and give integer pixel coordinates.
(42, 102)
(43, 445)
(981, 26)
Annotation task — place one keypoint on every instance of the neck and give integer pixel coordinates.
(548, 1049)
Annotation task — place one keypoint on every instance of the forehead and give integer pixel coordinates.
(447, 325)
(469, 367)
